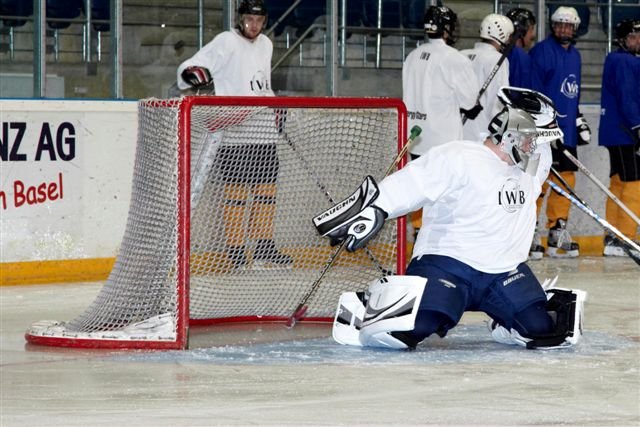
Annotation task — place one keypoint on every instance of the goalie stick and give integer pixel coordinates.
(302, 307)
(600, 185)
(627, 244)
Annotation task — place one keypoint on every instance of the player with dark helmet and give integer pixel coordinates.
(523, 20)
(255, 9)
(623, 30)
(441, 22)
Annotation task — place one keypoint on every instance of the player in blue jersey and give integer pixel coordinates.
(524, 23)
(619, 130)
(557, 66)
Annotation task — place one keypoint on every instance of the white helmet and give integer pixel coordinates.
(567, 15)
(497, 28)
(515, 131)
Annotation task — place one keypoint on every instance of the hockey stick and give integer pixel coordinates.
(627, 244)
(494, 71)
(302, 307)
(600, 185)
(324, 190)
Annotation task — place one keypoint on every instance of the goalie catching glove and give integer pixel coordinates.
(355, 220)
(196, 76)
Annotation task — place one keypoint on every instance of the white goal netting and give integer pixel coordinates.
(219, 226)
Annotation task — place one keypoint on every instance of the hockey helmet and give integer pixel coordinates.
(514, 130)
(522, 19)
(497, 28)
(441, 19)
(624, 28)
(566, 15)
(252, 7)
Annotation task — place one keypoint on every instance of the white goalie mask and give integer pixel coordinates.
(514, 130)
(539, 106)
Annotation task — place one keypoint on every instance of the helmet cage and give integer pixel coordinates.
(514, 130)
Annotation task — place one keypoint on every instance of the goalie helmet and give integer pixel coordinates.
(441, 19)
(514, 130)
(522, 19)
(496, 28)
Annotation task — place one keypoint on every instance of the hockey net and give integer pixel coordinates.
(219, 227)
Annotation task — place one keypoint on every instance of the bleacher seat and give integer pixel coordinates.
(413, 14)
(391, 13)
(307, 12)
(276, 9)
(619, 13)
(100, 11)
(22, 8)
(62, 9)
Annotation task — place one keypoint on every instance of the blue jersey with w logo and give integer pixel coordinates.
(556, 73)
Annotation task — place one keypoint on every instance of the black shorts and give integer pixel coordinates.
(625, 162)
(248, 163)
(561, 163)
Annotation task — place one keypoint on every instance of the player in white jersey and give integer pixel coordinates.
(437, 81)
(470, 254)
(437, 84)
(495, 36)
(238, 63)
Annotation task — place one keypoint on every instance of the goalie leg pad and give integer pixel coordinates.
(391, 309)
(566, 307)
(348, 319)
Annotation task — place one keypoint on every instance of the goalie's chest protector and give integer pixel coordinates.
(483, 210)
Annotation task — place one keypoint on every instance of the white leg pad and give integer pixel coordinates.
(348, 319)
(392, 306)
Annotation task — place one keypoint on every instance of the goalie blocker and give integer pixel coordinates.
(385, 313)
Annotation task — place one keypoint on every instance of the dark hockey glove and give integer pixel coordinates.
(472, 113)
(196, 76)
(584, 131)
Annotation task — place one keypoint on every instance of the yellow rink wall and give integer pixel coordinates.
(66, 179)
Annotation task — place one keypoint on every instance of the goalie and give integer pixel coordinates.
(470, 254)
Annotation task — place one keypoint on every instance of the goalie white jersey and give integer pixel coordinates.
(478, 209)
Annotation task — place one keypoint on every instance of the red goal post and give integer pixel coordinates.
(219, 226)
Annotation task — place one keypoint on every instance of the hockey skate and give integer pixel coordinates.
(560, 244)
(613, 247)
(537, 250)
(268, 255)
